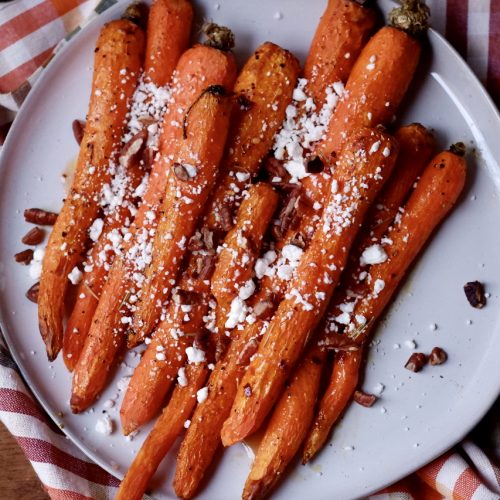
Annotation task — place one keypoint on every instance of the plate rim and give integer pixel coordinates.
(479, 91)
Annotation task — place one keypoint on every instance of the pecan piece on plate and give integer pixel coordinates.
(39, 216)
(32, 293)
(33, 236)
(416, 362)
(438, 356)
(364, 399)
(24, 257)
(474, 291)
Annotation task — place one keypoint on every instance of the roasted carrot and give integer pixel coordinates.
(289, 422)
(269, 76)
(204, 140)
(102, 254)
(358, 177)
(343, 382)
(342, 32)
(163, 435)
(416, 146)
(379, 79)
(332, 40)
(251, 126)
(260, 204)
(158, 374)
(120, 45)
(169, 27)
(232, 278)
(434, 196)
(203, 436)
(279, 444)
(163, 49)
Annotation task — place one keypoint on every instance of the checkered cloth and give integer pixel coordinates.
(31, 31)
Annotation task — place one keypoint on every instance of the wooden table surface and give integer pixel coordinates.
(18, 480)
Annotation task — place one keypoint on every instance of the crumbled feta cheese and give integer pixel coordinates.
(195, 355)
(379, 286)
(104, 425)
(95, 229)
(75, 276)
(374, 254)
(202, 394)
(181, 377)
(247, 290)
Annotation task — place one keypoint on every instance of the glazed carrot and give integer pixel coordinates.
(163, 49)
(250, 138)
(416, 146)
(163, 435)
(204, 140)
(283, 436)
(240, 249)
(332, 40)
(434, 196)
(203, 439)
(289, 422)
(268, 77)
(102, 254)
(343, 383)
(379, 79)
(357, 179)
(232, 277)
(203, 436)
(169, 28)
(436, 193)
(259, 205)
(120, 45)
(342, 32)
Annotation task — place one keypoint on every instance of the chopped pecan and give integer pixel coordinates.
(132, 150)
(206, 267)
(226, 221)
(181, 172)
(148, 157)
(34, 236)
(24, 257)
(286, 214)
(32, 293)
(364, 399)
(275, 168)
(39, 216)
(78, 127)
(186, 297)
(474, 291)
(438, 356)
(416, 362)
(208, 238)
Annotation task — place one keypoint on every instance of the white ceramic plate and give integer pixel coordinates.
(418, 416)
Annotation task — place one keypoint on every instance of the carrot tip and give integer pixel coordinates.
(136, 13)
(219, 37)
(412, 17)
(459, 149)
